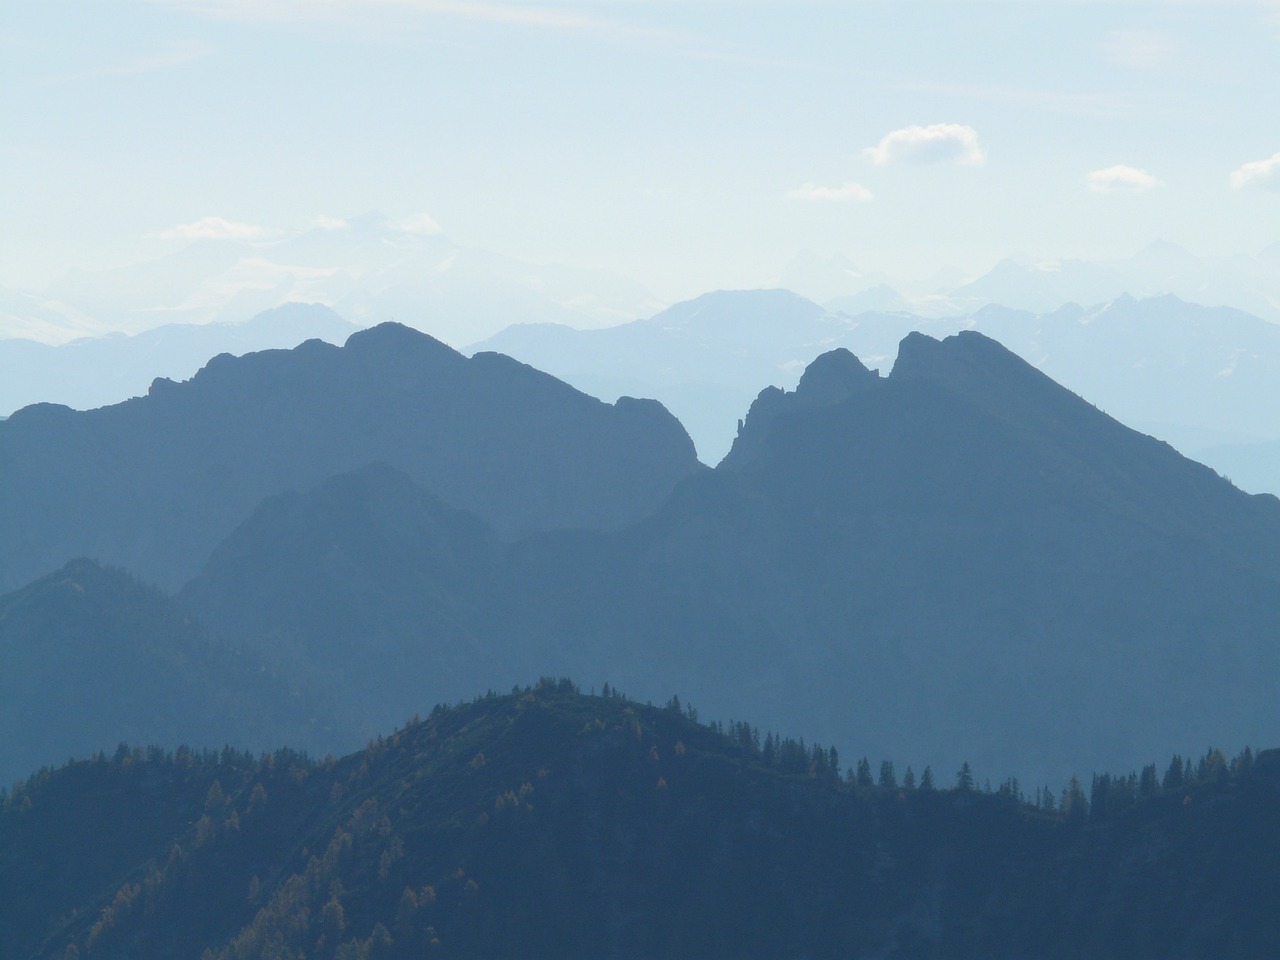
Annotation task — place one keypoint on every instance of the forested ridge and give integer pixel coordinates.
(549, 822)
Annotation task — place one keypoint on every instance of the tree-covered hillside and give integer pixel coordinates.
(550, 823)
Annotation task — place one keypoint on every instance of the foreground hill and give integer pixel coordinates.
(547, 823)
(89, 658)
(960, 560)
(154, 483)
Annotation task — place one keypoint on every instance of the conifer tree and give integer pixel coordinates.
(888, 779)
(864, 773)
(1148, 783)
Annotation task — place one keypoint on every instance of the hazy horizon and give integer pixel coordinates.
(677, 145)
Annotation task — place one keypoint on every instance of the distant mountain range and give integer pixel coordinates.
(547, 823)
(153, 484)
(97, 371)
(1196, 376)
(1204, 378)
(369, 269)
(1036, 285)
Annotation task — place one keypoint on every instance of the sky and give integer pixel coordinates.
(688, 144)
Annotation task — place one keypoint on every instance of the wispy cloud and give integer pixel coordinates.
(1121, 178)
(217, 228)
(848, 193)
(1258, 174)
(173, 58)
(937, 143)
(178, 56)
(516, 14)
(379, 15)
(1140, 49)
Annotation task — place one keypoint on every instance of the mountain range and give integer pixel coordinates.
(152, 484)
(1202, 378)
(368, 268)
(1196, 376)
(1249, 283)
(961, 559)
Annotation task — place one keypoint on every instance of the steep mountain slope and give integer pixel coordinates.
(960, 560)
(546, 823)
(89, 657)
(1186, 373)
(1251, 466)
(94, 371)
(154, 483)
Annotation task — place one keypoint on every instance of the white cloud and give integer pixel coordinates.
(850, 192)
(323, 222)
(1258, 174)
(420, 223)
(937, 143)
(1140, 49)
(1121, 177)
(216, 228)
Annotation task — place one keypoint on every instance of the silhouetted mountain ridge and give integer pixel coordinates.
(1196, 376)
(154, 483)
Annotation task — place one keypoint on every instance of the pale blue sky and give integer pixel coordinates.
(689, 145)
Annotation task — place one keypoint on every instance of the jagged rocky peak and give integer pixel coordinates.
(922, 357)
(833, 378)
(829, 380)
(978, 368)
